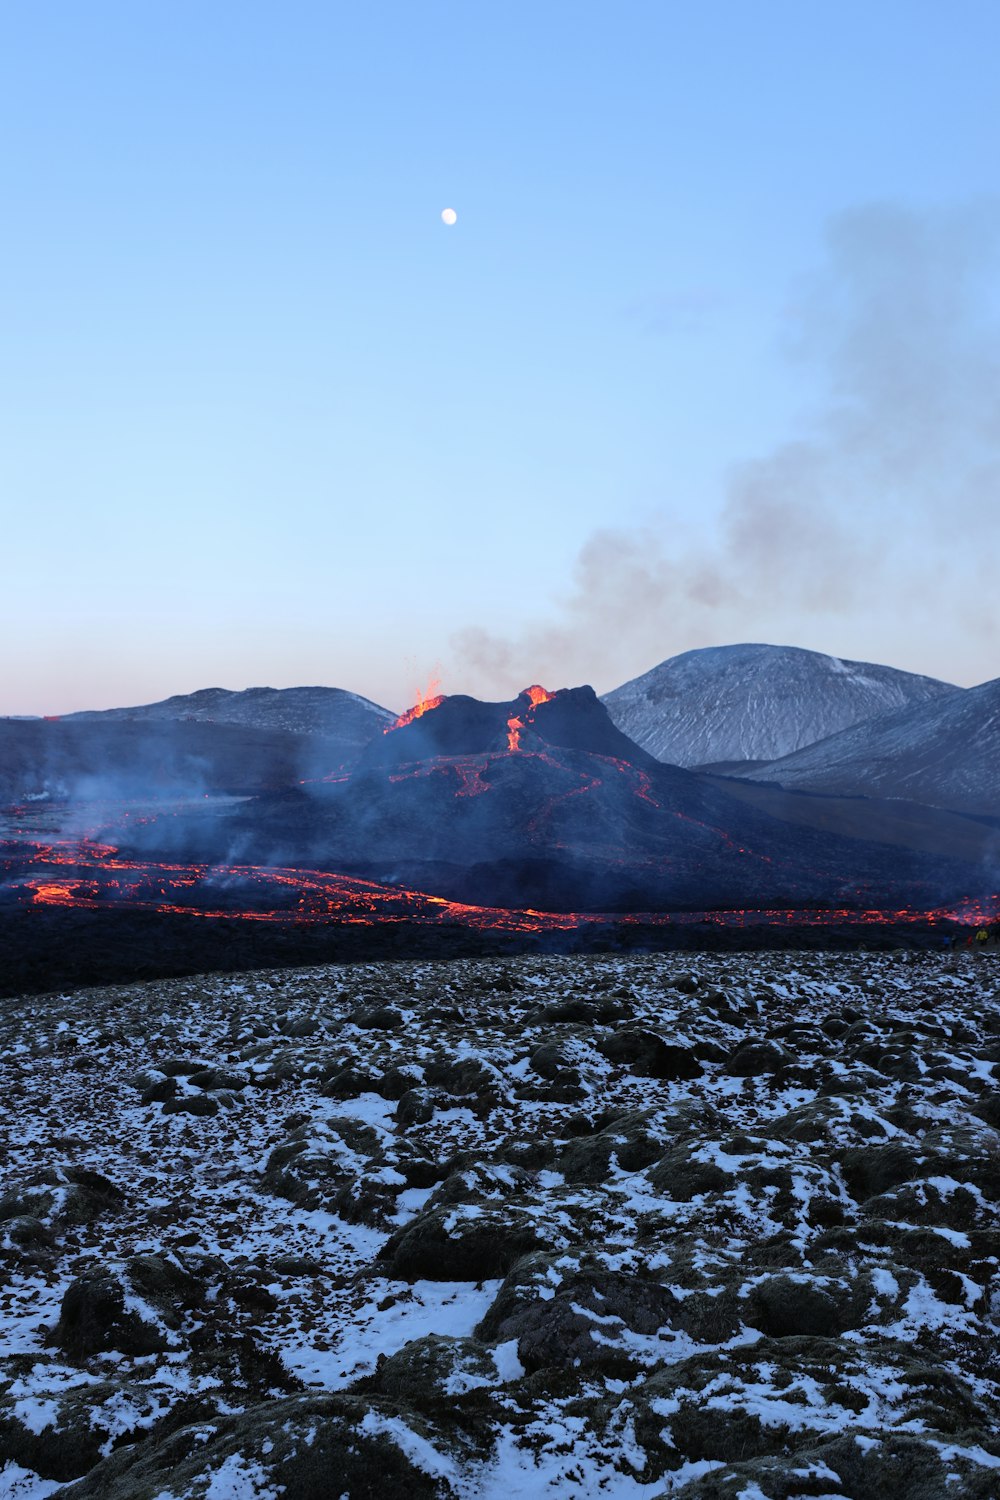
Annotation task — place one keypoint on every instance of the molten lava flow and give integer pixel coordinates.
(91, 876)
(55, 893)
(465, 772)
(534, 695)
(425, 702)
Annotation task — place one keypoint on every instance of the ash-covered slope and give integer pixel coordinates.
(946, 753)
(330, 712)
(542, 802)
(756, 702)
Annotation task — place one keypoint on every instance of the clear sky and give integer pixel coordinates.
(710, 354)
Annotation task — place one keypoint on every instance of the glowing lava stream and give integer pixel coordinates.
(425, 702)
(534, 695)
(433, 699)
(93, 877)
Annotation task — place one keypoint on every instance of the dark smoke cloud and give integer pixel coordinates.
(875, 528)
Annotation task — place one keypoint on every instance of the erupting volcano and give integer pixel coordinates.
(425, 702)
(528, 819)
(541, 804)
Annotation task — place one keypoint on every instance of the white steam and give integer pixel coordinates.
(874, 532)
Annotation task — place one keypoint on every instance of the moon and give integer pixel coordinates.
(449, 216)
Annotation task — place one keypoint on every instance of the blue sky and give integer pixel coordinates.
(265, 419)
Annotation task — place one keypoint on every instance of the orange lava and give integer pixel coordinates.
(425, 702)
(91, 876)
(538, 695)
(55, 893)
(514, 727)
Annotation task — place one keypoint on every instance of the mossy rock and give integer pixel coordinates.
(788, 1305)
(581, 1325)
(309, 1447)
(865, 1466)
(461, 1243)
(100, 1312)
(753, 1058)
(633, 1141)
(435, 1368)
(648, 1056)
(202, 1106)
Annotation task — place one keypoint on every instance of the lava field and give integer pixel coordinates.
(470, 827)
(719, 1226)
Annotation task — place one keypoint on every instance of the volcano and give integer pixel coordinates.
(541, 802)
(535, 721)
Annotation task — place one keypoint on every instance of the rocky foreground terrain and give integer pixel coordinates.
(724, 1226)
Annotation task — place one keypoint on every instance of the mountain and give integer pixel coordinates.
(945, 752)
(543, 802)
(330, 712)
(755, 702)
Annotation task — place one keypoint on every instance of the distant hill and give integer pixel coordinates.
(945, 753)
(330, 712)
(757, 702)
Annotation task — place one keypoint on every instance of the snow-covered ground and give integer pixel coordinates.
(719, 1226)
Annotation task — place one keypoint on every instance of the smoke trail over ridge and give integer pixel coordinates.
(874, 527)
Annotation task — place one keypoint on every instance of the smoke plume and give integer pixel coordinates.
(873, 531)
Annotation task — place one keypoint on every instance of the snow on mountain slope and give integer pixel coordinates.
(945, 752)
(756, 702)
(326, 711)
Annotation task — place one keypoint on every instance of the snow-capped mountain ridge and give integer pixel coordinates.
(754, 702)
(945, 752)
